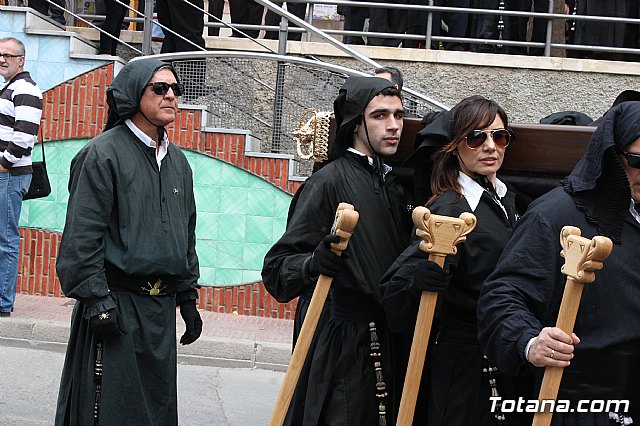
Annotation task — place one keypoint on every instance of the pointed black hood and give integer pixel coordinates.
(598, 182)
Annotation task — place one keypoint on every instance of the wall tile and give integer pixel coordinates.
(261, 202)
(230, 255)
(232, 228)
(259, 230)
(233, 200)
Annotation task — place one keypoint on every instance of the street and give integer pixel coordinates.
(207, 395)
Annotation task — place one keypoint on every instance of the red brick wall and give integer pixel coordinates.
(77, 109)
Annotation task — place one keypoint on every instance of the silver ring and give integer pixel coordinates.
(553, 352)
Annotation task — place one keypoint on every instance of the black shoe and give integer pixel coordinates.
(5, 314)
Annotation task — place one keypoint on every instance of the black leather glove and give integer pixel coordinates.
(192, 322)
(429, 276)
(324, 261)
(107, 324)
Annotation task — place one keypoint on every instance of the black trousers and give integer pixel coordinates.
(216, 8)
(43, 7)
(297, 9)
(184, 20)
(114, 16)
(246, 12)
(354, 18)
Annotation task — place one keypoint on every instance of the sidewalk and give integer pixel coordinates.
(227, 340)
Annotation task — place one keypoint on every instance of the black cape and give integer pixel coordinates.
(342, 379)
(524, 292)
(457, 391)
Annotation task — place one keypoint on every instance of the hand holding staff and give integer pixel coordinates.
(345, 222)
(582, 257)
(440, 235)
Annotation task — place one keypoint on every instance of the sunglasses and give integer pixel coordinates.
(501, 137)
(633, 160)
(161, 88)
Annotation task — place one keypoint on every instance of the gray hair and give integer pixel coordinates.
(21, 50)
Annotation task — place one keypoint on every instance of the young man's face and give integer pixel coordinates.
(383, 119)
(633, 174)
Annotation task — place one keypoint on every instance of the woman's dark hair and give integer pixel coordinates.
(474, 112)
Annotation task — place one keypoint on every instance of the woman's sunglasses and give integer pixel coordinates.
(501, 137)
(161, 88)
(633, 160)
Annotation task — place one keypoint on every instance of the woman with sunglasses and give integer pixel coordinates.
(462, 150)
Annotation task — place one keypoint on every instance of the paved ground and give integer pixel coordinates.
(227, 340)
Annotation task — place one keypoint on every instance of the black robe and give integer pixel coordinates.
(342, 378)
(608, 34)
(458, 392)
(523, 295)
(125, 215)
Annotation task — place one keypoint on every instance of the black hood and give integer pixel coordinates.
(598, 182)
(125, 92)
(428, 140)
(353, 97)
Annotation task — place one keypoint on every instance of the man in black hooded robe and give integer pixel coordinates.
(128, 257)
(520, 300)
(342, 377)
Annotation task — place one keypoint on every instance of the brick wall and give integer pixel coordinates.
(77, 109)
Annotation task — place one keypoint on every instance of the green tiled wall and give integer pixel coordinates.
(239, 215)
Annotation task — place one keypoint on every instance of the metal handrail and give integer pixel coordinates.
(547, 45)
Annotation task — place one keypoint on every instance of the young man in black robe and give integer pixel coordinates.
(519, 304)
(342, 377)
(128, 257)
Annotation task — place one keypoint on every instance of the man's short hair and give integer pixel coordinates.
(396, 75)
(21, 49)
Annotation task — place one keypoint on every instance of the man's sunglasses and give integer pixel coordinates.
(161, 88)
(633, 160)
(501, 137)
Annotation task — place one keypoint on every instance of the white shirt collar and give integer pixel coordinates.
(385, 167)
(633, 211)
(161, 152)
(472, 190)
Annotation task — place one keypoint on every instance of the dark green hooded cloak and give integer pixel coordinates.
(130, 225)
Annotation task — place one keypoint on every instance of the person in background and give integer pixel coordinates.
(128, 258)
(184, 19)
(392, 74)
(57, 14)
(272, 18)
(114, 17)
(20, 113)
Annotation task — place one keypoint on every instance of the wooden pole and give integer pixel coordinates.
(582, 258)
(345, 222)
(440, 235)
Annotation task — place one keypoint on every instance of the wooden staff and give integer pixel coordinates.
(582, 257)
(440, 235)
(345, 222)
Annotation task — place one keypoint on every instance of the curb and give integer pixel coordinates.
(218, 352)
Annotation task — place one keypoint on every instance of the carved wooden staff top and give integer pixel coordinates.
(439, 234)
(344, 223)
(582, 257)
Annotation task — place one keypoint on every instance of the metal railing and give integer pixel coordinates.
(427, 38)
(265, 93)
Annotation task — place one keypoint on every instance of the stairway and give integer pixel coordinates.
(54, 55)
